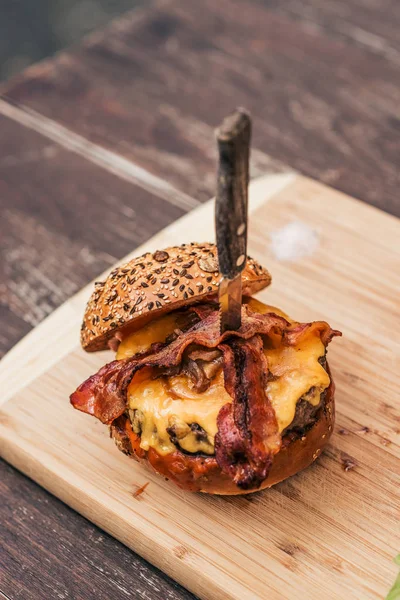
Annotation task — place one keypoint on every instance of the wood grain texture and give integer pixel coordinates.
(161, 79)
(372, 25)
(63, 221)
(323, 532)
(80, 560)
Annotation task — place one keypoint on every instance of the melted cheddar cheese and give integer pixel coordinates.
(163, 408)
(141, 340)
(158, 406)
(297, 370)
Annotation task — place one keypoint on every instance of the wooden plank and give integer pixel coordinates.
(12, 329)
(182, 167)
(101, 157)
(53, 538)
(159, 78)
(63, 221)
(323, 532)
(369, 25)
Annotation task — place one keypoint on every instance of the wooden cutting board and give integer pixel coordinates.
(325, 533)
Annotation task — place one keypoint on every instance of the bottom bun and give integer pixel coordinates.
(203, 474)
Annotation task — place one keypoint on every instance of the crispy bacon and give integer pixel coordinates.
(104, 394)
(247, 435)
(292, 335)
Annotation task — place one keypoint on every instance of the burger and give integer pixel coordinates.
(218, 413)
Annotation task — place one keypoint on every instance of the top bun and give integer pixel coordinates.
(154, 284)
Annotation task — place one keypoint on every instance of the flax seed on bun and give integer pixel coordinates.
(154, 284)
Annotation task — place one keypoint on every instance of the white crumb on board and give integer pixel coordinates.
(293, 241)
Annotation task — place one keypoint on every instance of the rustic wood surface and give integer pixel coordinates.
(155, 84)
(323, 83)
(49, 551)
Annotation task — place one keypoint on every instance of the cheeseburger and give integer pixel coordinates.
(218, 413)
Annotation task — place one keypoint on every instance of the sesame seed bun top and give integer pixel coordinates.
(154, 284)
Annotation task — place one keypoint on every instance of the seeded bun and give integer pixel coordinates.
(200, 473)
(156, 283)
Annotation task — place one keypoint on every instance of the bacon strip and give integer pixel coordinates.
(103, 395)
(292, 336)
(248, 434)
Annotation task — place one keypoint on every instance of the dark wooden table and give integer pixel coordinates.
(105, 144)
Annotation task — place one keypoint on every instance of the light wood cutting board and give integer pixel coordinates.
(323, 534)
